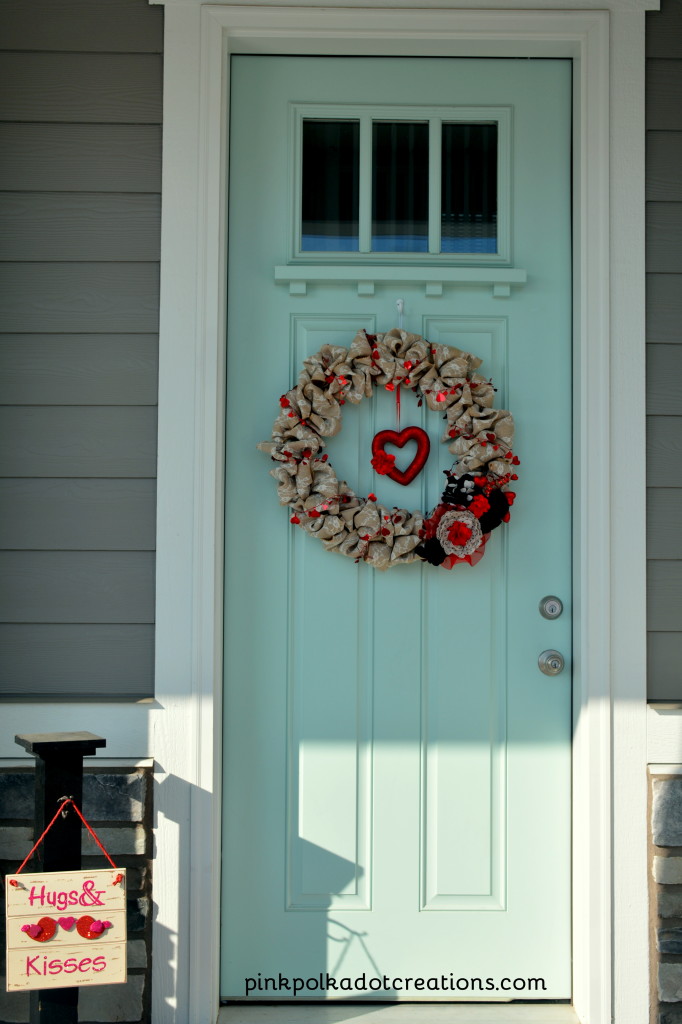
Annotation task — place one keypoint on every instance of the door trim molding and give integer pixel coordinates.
(610, 933)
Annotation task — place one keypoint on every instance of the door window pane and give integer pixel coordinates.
(400, 187)
(469, 188)
(330, 186)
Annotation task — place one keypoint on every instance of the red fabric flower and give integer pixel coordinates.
(479, 506)
(383, 462)
(459, 534)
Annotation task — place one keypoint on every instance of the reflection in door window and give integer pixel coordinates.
(469, 188)
(400, 187)
(330, 186)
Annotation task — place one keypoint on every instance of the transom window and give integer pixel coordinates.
(400, 183)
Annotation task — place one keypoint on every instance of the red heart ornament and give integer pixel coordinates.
(89, 928)
(43, 931)
(400, 439)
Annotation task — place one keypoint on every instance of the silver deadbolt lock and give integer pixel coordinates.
(551, 607)
(551, 663)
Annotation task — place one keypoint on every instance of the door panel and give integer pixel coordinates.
(397, 769)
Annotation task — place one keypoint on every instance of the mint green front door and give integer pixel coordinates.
(397, 767)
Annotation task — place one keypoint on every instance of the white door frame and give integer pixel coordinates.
(609, 855)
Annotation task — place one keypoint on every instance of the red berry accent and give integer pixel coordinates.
(294, 520)
(371, 497)
(324, 458)
(291, 415)
(384, 531)
(516, 461)
(491, 437)
(284, 402)
(513, 476)
(314, 514)
(440, 397)
(390, 386)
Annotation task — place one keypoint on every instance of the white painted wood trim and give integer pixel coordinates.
(610, 676)
(664, 736)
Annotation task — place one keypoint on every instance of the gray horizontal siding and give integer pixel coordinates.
(664, 166)
(76, 25)
(80, 180)
(72, 226)
(664, 31)
(664, 451)
(664, 308)
(85, 661)
(77, 586)
(665, 595)
(664, 380)
(664, 235)
(80, 157)
(78, 515)
(78, 369)
(77, 441)
(664, 88)
(81, 87)
(664, 522)
(664, 665)
(79, 297)
(664, 351)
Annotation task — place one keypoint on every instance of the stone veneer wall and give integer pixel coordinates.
(666, 898)
(118, 804)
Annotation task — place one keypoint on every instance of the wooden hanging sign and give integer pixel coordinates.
(66, 929)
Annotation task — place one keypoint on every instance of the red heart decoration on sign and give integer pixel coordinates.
(89, 928)
(400, 439)
(43, 931)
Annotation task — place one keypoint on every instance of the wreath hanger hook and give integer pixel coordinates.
(400, 306)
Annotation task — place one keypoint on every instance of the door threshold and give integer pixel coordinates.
(398, 1013)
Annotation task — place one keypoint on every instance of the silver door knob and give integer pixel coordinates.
(551, 663)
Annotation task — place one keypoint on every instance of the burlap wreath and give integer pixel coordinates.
(479, 436)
